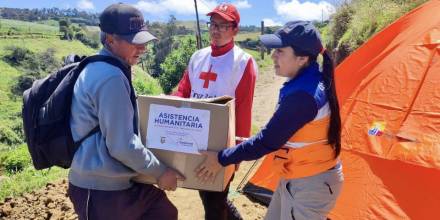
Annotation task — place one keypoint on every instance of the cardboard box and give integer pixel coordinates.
(170, 124)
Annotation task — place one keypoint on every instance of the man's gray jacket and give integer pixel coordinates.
(109, 159)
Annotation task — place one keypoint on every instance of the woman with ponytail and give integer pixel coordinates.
(303, 135)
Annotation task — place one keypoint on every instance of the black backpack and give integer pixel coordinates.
(46, 113)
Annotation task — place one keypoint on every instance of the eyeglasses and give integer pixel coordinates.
(219, 27)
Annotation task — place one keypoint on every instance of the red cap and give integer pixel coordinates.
(226, 11)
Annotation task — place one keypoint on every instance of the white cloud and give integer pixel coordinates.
(295, 10)
(181, 7)
(85, 5)
(270, 23)
(242, 4)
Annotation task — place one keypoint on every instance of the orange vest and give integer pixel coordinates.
(307, 152)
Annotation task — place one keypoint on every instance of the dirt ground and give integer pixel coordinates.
(51, 202)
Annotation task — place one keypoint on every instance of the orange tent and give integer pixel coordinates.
(389, 90)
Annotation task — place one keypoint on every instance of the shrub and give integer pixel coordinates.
(8, 136)
(15, 160)
(357, 20)
(23, 82)
(47, 60)
(339, 24)
(146, 86)
(175, 64)
(32, 65)
(17, 55)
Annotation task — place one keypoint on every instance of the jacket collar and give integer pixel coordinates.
(107, 52)
(218, 51)
(307, 76)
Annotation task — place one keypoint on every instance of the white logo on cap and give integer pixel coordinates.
(223, 7)
(136, 23)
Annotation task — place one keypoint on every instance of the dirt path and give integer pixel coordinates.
(51, 202)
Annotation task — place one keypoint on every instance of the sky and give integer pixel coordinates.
(252, 12)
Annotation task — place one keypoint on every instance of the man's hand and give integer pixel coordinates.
(168, 180)
(208, 170)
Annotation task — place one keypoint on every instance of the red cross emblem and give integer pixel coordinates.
(208, 76)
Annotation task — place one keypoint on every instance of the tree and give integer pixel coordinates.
(66, 29)
(176, 63)
(163, 47)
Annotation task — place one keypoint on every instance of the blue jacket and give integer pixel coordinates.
(299, 101)
(109, 159)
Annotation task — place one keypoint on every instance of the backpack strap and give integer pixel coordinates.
(113, 61)
(127, 72)
(92, 132)
(108, 59)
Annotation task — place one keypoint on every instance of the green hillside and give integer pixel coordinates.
(192, 25)
(357, 21)
(10, 106)
(23, 27)
(16, 172)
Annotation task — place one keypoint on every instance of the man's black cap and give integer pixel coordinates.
(125, 21)
(299, 34)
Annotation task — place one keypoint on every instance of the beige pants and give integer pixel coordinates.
(308, 198)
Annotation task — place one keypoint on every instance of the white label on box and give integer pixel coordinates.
(178, 129)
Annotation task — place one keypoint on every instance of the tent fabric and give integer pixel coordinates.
(263, 183)
(377, 188)
(389, 93)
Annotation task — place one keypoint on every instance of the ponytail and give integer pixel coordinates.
(334, 131)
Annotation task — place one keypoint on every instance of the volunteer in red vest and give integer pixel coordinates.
(304, 132)
(222, 69)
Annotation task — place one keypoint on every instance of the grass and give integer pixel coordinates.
(192, 25)
(22, 27)
(144, 84)
(359, 20)
(241, 36)
(10, 107)
(62, 47)
(262, 63)
(26, 178)
(51, 22)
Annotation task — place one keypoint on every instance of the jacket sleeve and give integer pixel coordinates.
(184, 86)
(115, 115)
(292, 114)
(244, 95)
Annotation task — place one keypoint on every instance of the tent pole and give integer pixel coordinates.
(240, 186)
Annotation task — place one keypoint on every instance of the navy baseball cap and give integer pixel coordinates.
(125, 21)
(299, 34)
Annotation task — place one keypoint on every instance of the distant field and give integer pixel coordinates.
(61, 47)
(245, 35)
(51, 22)
(15, 26)
(192, 25)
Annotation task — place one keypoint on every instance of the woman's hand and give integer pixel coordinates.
(208, 170)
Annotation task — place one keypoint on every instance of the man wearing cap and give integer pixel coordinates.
(100, 185)
(222, 69)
